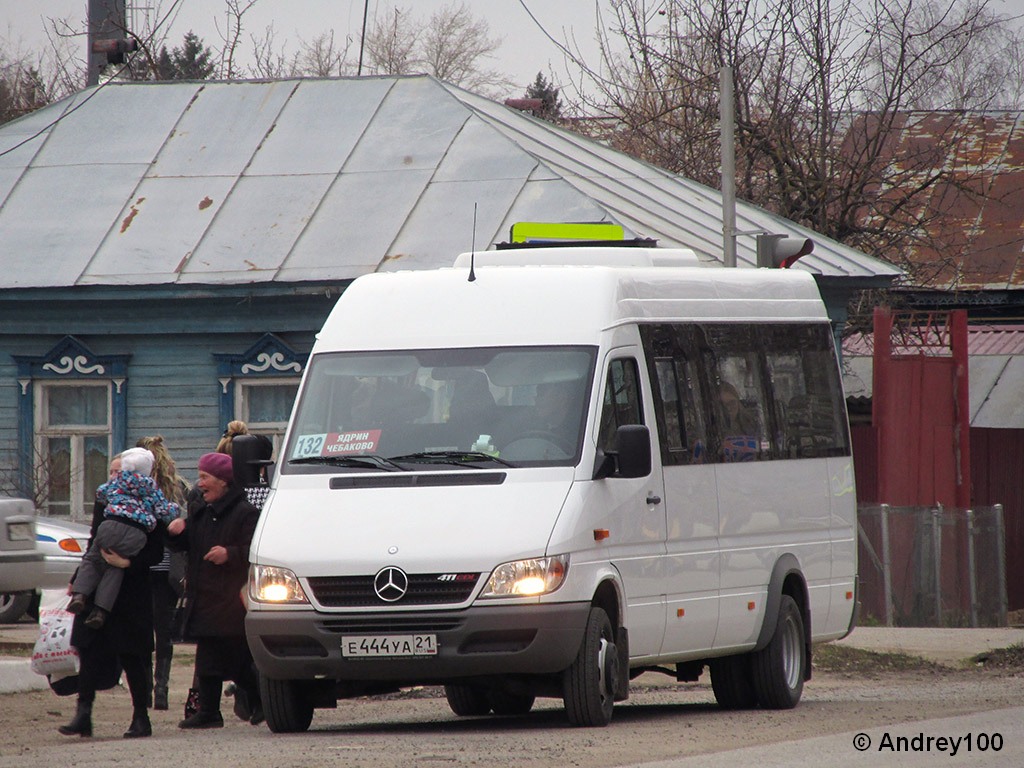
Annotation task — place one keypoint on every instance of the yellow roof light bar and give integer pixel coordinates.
(548, 232)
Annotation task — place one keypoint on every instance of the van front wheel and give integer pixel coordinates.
(778, 668)
(588, 685)
(286, 705)
(467, 700)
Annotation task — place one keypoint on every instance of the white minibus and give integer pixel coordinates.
(543, 472)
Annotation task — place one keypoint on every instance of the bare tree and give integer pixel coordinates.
(821, 89)
(452, 45)
(391, 43)
(324, 57)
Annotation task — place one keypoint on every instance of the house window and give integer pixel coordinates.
(72, 445)
(259, 386)
(72, 414)
(265, 405)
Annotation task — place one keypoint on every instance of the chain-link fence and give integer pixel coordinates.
(932, 566)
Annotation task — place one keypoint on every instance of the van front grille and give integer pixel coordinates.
(423, 589)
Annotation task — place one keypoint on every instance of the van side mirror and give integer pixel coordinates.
(631, 457)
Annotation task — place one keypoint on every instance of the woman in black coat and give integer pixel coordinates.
(125, 641)
(217, 536)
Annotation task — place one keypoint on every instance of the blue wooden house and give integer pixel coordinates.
(169, 250)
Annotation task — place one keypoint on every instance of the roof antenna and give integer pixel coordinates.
(472, 252)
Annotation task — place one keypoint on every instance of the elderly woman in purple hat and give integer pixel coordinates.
(217, 536)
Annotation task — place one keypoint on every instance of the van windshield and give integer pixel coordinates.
(429, 409)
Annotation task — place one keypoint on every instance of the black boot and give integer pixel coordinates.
(140, 726)
(161, 677)
(203, 719)
(96, 619)
(81, 723)
(77, 604)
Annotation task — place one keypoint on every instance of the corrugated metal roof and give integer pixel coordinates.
(995, 370)
(974, 238)
(323, 179)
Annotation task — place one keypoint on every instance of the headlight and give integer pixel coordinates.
(526, 578)
(269, 584)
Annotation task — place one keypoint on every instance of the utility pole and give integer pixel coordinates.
(726, 111)
(107, 22)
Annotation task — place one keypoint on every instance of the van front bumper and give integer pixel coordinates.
(478, 641)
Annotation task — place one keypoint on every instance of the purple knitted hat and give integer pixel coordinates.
(218, 465)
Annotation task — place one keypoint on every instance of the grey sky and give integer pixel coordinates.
(524, 50)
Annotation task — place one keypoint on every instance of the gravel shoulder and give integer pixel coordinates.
(850, 690)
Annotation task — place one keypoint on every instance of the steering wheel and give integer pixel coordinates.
(546, 436)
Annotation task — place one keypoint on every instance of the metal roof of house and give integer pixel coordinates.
(973, 238)
(301, 180)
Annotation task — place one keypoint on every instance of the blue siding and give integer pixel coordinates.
(172, 373)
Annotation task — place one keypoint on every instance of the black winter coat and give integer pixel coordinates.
(129, 627)
(214, 592)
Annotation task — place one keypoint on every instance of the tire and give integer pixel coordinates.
(732, 682)
(13, 606)
(286, 705)
(779, 668)
(588, 685)
(505, 703)
(467, 700)
(33, 607)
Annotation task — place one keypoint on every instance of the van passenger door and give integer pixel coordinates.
(636, 516)
(692, 562)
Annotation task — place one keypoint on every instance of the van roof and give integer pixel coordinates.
(607, 256)
(530, 305)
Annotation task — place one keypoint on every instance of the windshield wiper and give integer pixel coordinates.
(370, 460)
(457, 458)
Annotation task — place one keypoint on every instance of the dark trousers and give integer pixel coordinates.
(94, 672)
(224, 658)
(164, 600)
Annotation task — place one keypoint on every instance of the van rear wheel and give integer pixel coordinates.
(588, 685)
(779, 668)
(286, 705)
(467, 700)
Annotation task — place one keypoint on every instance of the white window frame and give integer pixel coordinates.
(273, 429)
(80, 497)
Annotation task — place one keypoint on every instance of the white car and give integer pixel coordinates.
(62, 543)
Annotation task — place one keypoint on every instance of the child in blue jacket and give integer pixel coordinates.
(134, 506)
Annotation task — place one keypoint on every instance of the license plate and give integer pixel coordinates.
(388, 645)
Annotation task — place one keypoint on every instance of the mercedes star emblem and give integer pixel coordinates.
(390, 584)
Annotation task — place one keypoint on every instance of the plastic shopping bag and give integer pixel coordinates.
(53, 654)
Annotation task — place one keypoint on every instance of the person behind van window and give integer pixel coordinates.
(166, 578)
(217, 536)
(738, 419)
(134, 507)
(554, 416)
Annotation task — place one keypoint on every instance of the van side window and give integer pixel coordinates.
(802, 365)
(679, 406)
(622, 404)
(741, 411)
